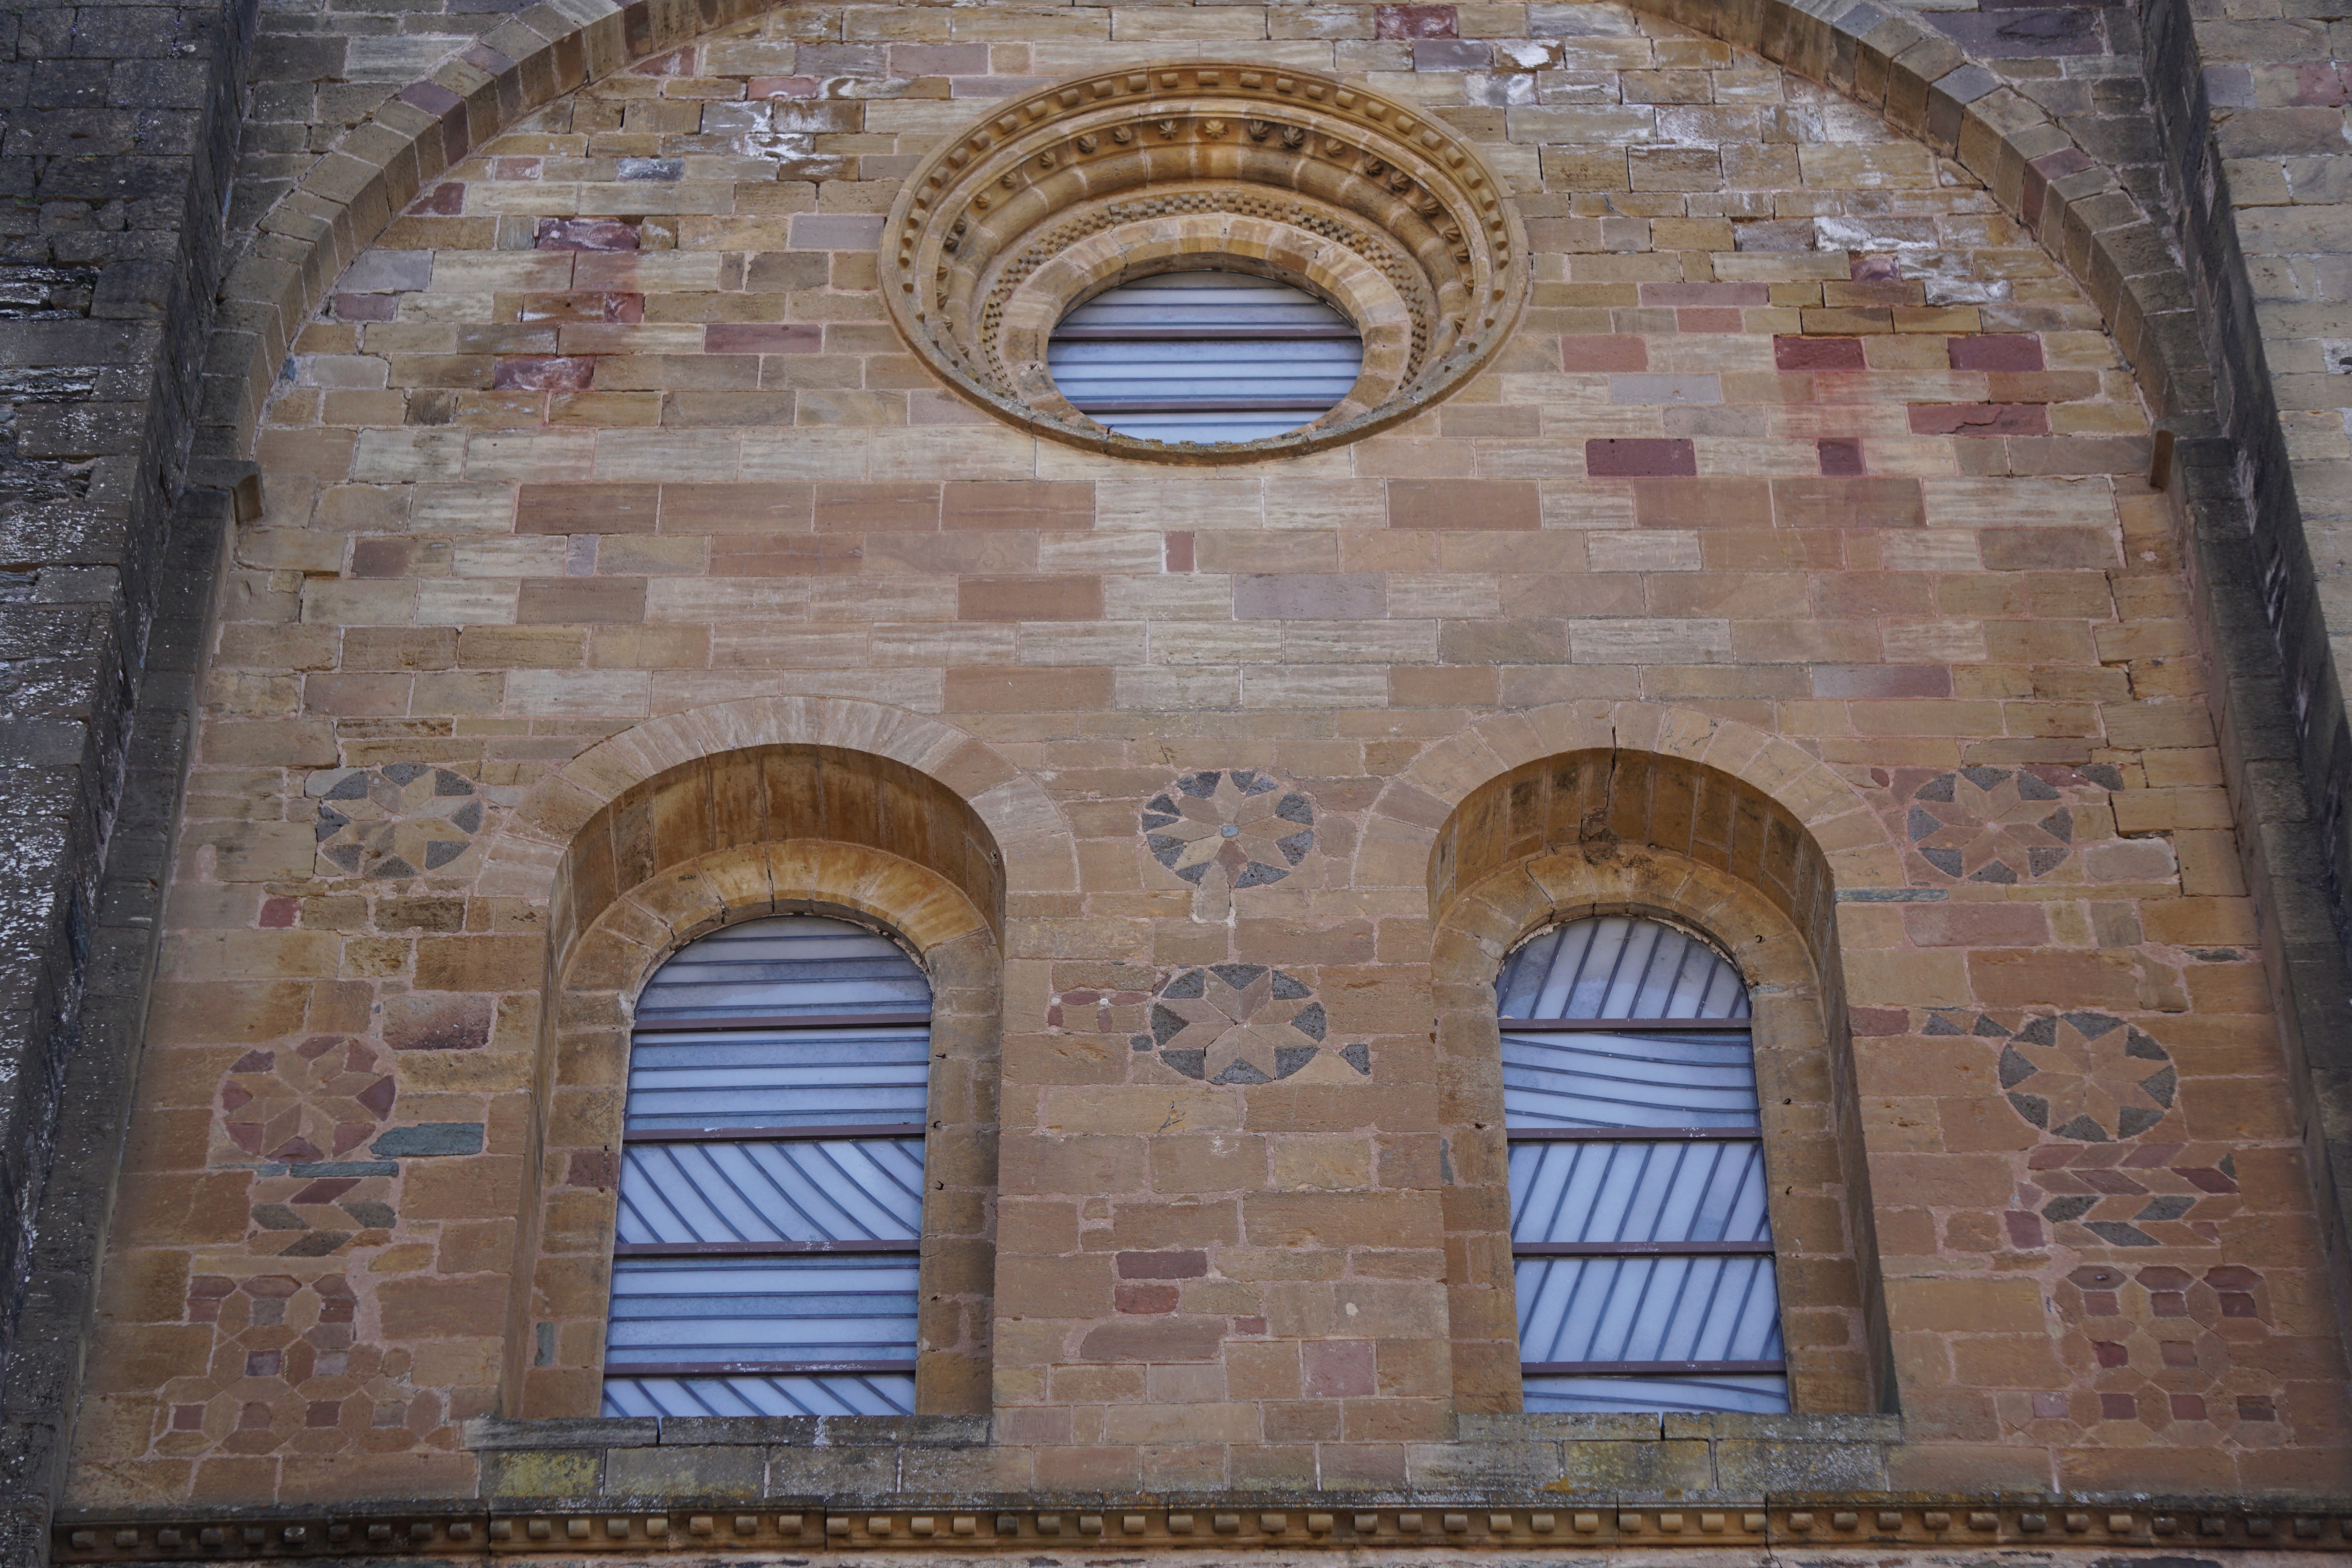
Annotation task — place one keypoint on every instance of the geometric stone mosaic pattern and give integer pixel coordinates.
(316, 1101)
(399, 821)
(1241, 1023)
(1989, 824)
(1238, 825)
(2150, 1195)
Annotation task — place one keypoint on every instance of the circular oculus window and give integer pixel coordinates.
(1203, 262)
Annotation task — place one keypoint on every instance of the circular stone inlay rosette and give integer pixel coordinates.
(1237, 824)
(2087, 1077)
(1241, 1023)
(1998, 825)
(403, 820)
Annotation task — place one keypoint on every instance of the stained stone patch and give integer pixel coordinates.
(1240, 1024)
(1237, 825)
(403, 820)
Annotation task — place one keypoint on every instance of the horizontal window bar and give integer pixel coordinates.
(759, 1249)
(745, 1368)
(1205, 405)
(690, 1023)
(1641, 1249)
(1634, 1134)
(1227, 333)
(1627, 1025)
(1642, 1368)
(771, 1135)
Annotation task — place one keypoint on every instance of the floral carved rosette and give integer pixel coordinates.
(403, 820)
(1244, 1024)
(1226, 829)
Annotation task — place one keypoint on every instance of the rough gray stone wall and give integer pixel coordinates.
(2255, 142)
(118, 124)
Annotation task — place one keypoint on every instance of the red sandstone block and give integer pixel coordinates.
(782, 87)
(1841, 502)
(1996, 351)
(1840, 459)
(1465, 504)
(1615, 351)
(1979, 419)
(1709, 318)
(988, 689)
(876, 507)
(586, 508)
(535, 372)
(1635, 457)
(1818, 353)
(762, 337)
(1028, 598)
(585, 234)
(1703, 503)
(1179, 1265)
(1056, 504)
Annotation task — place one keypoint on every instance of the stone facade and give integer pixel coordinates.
(1849, 545)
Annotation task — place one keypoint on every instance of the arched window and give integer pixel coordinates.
(1641, 1247)
(771, 1182)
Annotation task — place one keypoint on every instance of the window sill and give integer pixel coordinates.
(492, 1434)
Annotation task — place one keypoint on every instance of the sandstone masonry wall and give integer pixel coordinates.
(1807, 461)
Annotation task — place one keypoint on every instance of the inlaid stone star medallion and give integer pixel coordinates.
(1996, 825)
(1223, 829)
(316, 1101)
(403, 820)
(1242, 1023)
(2087, 1077)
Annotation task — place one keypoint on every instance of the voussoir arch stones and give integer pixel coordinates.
(1028, 827)
(1401, 828)
(1920, 81)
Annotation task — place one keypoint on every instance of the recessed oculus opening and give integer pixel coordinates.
(1204, 355)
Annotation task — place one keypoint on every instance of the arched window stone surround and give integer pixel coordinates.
(1812, 1134)
(1579, 809)
(656, 828)
(555, 1361)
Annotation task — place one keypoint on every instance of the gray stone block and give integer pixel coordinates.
(685, 1472)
